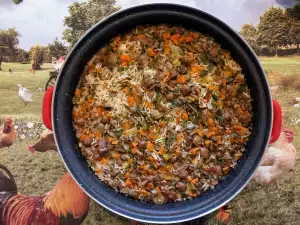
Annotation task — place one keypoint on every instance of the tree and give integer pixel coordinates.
(22, 56)
(9, 40)
(36, 56)
(84, 15)
(249, 32)
(273, 29)
(294, 34)
(17, 1)
(57, 49)
(293, 14)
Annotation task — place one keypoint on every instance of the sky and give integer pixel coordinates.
(41, 21)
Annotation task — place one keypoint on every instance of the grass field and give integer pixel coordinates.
(38, 173)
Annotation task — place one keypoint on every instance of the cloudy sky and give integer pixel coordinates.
(40, 21)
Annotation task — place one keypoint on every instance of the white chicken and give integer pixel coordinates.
(278, 160)
(24, 94)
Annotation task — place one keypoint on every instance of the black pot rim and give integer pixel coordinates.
(191, 213)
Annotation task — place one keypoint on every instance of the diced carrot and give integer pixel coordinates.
(161, 150)
(179, 138)
(226, 170)
(125, 58)
(117, 39)
(214, 129)
(218, 139)
(195, 181)
(197, 69)
(151, 159)
(98, 170)
(206, 168)
(222, 93)
(195, 35)
(151, 52)
(186, 39)
(213, 88)
(162, 124)
(98, 134)
(181, 79)
(143, 132)
(175, 37)
(210, 134)
(227, 56)
(240, 79)
(166, 35)
(228, 132)
(207, 143)
(148, 104)
(228, 73)
(240, 129)
(77, 92)
(145, 193)
(126, 175)
(134, 149)
(130, 160)
(135, 143)
(200, 132)
(131, 101)
(128, 183)
(91, 69)
(210, 122)
(224, 82)
(150, 146)
(100, 111)
(83, 137)
(104, 161)
(168, 167)
(185, 116)
(194, 150)
(167, 47)
(150, 186)
(114, 141)
(238, 155)
(192, 194)
(189, 179)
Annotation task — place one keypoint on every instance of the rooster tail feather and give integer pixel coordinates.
(7, 184)
(20, 209)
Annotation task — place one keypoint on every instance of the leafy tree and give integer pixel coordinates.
(273, 29)
(36, 56)
(57, 49)
(9, 40)
(294, 12)
(22, 56)
(294, 34)
(249, 32)
(84, 15)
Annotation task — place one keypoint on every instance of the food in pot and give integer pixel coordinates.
(162, 113)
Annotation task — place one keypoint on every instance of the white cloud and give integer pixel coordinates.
(40, 21)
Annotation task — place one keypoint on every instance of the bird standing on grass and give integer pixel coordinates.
(7, 133)
(24, 94)
(65, 204)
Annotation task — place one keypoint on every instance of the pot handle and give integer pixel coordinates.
(277, 121)
(47, 105)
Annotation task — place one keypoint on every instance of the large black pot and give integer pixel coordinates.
(123, 21)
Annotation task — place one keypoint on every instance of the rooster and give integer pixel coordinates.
(7, 133)
(65, 204)
(45, 143)
(278, 160)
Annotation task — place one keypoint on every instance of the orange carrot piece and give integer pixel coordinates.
(125, 58)
(143, 132)
(134, 149)
(195, 181)
(151, 52)
(150, 146)
(166, 35)
(104, 161)
(189, 179)
(210, 122)
(228, 73)
(179, 138)
(185, 116)
(131, 101)
(100, 111)
(77, 92)
(128, 183)
(181, 79)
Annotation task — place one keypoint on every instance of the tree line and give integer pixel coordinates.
(276, 30)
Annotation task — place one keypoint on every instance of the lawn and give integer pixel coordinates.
(37, 173)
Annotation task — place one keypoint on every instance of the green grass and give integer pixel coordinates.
(11, 105)
(36, 174)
